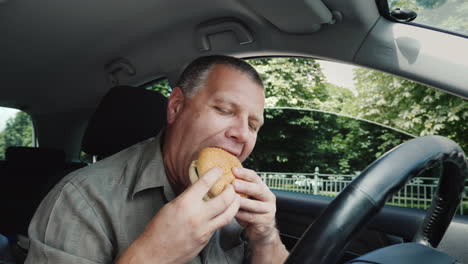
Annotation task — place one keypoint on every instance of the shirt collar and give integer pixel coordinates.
(150, 171)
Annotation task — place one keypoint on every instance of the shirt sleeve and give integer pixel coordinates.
(66, 229)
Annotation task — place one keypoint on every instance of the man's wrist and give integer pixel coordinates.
(268, 250)
(272, 242)
(267, 241)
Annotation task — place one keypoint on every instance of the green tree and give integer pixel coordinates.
(2, 145)
(299, 140)
(346, 147)
(18, 132)
(338, 100)
(295, 82)
(161, 86)
(410, 106)
(446, 14)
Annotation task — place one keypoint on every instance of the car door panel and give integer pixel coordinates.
(392, 225)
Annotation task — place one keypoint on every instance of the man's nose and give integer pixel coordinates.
(239, 131)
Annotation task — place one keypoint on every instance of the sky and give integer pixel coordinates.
(336, 73)
(339, 74)
(6, 113)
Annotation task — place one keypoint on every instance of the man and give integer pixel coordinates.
(138, 206)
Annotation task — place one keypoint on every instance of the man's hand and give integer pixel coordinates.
(257, 212)
(182, 228)
(257, 215)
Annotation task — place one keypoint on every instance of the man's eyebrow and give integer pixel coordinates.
(223, 101)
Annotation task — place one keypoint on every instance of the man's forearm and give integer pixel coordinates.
(272, 251)
(132, 255)
(135, 254)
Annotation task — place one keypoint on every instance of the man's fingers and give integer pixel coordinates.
(254, 219)
(258, 191)
(249, 188)
(251, 184)
(225, 217)
(246, 174)
(199, 189)
(255, 206)
(220, 203)
(246, 217)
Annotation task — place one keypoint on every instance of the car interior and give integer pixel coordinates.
(80, 68)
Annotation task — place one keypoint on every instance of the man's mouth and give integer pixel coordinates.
(231, 151)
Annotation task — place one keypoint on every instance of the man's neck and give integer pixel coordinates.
(171, 173)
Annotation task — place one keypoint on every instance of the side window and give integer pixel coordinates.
(306, 141)
(162, 86)
(325, 122)
(16, 129)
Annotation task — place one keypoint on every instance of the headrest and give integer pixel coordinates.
(125, 116)
(31, 156)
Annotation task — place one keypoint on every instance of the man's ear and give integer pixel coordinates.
(175, 104)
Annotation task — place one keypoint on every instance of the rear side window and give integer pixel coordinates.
(161, 85)
(16, 129)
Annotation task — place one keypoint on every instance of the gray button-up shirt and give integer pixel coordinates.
(95, 213)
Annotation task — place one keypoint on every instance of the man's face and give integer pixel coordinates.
(226, 113)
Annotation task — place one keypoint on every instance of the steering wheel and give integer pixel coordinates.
(325, 239)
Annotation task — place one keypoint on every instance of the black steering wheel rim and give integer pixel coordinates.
(354, 207)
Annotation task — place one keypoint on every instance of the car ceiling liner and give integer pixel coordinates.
(292, 16)
(221, 26)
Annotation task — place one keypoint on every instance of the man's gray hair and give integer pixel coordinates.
(195, 74)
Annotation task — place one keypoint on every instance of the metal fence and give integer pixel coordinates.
(416, 194)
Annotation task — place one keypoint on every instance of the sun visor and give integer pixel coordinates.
(293, 16)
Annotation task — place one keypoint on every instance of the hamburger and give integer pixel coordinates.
(209, 158)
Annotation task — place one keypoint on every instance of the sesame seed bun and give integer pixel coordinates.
(209, 158)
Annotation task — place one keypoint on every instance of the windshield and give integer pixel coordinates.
(450, 15)
(321, 151)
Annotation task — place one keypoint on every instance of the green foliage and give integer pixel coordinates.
(430, 3)
(293, 140)
(161, 86)
(18, 132)
(450, 15)
(292, 143)
(2, 145)
(294, 82)
(299, 82)
(410, 106)
(298, 140)
(338, 100)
